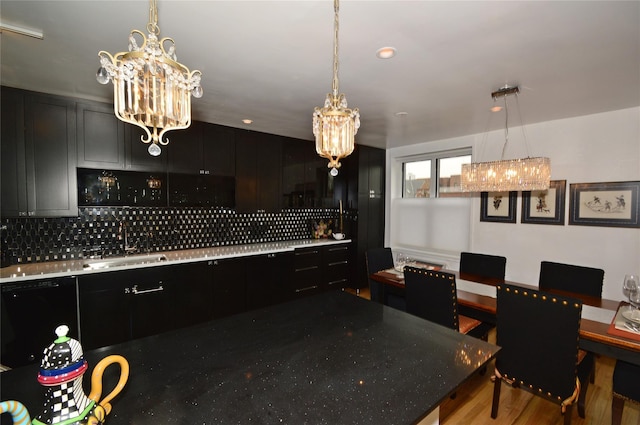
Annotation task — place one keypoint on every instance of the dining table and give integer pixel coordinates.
(477, 298)
(332, 358)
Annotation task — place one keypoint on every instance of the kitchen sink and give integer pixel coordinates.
(130, 260)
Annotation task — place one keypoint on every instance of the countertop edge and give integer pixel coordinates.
(55, 269)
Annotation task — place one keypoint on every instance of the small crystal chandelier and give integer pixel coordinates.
(151, 88)
(334, 125)
(507, 174)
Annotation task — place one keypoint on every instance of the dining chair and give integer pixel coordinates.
(571, 278)
(538, 334)
(432, 295)
(378, 259)
(625, 388)
(485, 265)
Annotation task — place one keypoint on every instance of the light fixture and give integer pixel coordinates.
(507, 174)
(151, 88)
(386, 52)
(334, 125)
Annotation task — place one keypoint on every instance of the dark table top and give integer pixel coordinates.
(329, 359)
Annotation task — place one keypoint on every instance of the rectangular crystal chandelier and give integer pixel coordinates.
(521, 174)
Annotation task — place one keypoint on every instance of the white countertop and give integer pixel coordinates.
(51, 269)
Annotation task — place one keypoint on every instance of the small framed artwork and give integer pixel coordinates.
(498, 206)
(545, 206)
(613, 204)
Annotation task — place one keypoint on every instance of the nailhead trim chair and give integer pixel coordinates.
(625, 388)
(538, 333)
(492, 266)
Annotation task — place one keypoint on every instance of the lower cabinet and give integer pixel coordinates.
(320, 269)
(268, 278)
(123, 305)
(229, 286)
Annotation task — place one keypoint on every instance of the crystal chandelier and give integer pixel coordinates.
(507, 174)
(151, 89)
(334, 125)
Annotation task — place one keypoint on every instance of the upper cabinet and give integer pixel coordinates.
(258, 164)
(100, 136)
(306, 182)
(203, 148)
(38, 155)
(137, 157)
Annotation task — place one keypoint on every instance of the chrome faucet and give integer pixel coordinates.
(123, 235)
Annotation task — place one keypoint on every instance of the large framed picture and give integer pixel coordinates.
(545, 206)
(605, 204)
(498, 206)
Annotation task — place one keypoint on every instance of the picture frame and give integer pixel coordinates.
(612, 204)
(498, 207)
(545, 206)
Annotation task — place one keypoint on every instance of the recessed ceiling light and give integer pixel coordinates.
(496, 109)
(247, 121)
(386, 52)
(401, 114)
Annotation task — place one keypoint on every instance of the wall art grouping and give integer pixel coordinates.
(611, 204)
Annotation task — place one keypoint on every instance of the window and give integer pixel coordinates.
(417, 172)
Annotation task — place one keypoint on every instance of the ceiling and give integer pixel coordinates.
(271, 61)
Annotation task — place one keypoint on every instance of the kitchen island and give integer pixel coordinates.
(332, 358)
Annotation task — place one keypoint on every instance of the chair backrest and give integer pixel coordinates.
(538, 333)
(432, 295)
(377, 259)
(567, 277)
(484, 265)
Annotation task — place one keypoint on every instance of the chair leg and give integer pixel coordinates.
(567, 414)
(617, 405)
(592, 378)
(581, 399)
(496, 397)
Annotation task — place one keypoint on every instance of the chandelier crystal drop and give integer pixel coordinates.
(152, 90)
(524, 174)
(335, 125)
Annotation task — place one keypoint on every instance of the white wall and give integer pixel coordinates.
(595, 148)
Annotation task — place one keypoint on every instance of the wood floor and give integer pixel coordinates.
(472, 405)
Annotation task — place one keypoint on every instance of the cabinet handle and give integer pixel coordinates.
(135, 290)
(333, 282)
(338, 263)
(308, 288)
(342, 248)
(306, 253)
(306, 268)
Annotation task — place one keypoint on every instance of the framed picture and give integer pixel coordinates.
(498, 206)
(605, 204)
(545, 206)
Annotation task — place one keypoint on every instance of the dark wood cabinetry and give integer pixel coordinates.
(337, 262)
(38, 151)
(268, 279)
(229, 287)
(203, 148)
(137, 157)
(319, 269)
(258, 164)
(100, 136)
(123, 305)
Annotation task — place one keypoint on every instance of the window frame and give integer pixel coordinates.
(434, 157)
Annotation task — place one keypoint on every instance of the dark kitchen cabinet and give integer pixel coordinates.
(38, 155)
(307, 277)
(204, 149)
(306, 182)
(100, 136)
(122, 305)
(258, 176)
(229, 287)
(337, 266)
(268, 279)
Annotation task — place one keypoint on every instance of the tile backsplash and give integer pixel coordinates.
(107, 231)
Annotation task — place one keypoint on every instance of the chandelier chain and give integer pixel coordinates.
(336, 24)
(152, 26)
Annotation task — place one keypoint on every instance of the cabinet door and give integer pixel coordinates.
(337, 268)
(100, 136)
(258, 175)
(13, 180)
(294, 183)
(184, 150)
(137, 154)
(50, 156)
(268, 279)
(307, 275)
(193, 293)
(219, 150)
(104, 309)
(229, 287)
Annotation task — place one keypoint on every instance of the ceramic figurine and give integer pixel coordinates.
(61, 371)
